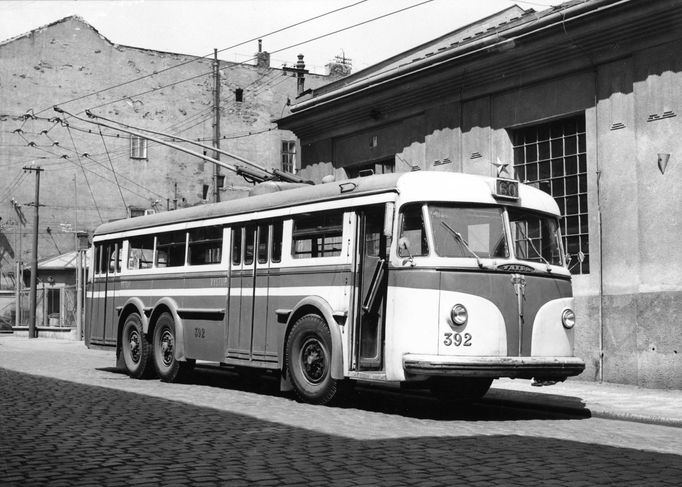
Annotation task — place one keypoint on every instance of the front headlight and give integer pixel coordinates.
(568, 318)
(459, 315)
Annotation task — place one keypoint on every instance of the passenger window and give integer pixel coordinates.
(170, 249)
(237, 246)
(249, 243)
(114, 253)
(141, 252)
(276, 251)
(263, 233)
(412, 230)
(317, 235)
(98, 259)
(205, 245)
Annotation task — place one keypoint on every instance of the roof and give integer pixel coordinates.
(60, 262)
(420, 186)
(488, 36)
(445, 42)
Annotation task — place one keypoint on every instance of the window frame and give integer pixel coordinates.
(138, 147)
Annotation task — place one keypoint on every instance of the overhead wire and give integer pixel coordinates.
(394, 12)
(207, 56)
(85, 175)
(113, 171)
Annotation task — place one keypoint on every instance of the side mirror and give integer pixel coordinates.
(404, 247)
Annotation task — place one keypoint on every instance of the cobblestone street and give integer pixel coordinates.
(68, 418)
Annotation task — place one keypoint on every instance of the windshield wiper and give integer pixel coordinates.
(462, 242)
(532, 245)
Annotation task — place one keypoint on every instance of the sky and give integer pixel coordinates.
(197, 27)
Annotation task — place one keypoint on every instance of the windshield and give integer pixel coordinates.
(468, 232)
(536, 237)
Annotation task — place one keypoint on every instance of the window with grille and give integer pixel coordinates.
(552, 156)
(138, 147)
(289, 156)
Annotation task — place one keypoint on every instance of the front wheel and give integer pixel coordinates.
(460, 389)
(168, 368)
(308, 360)
(135, 348)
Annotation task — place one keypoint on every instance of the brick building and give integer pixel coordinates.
(90, 178)
(583, 100)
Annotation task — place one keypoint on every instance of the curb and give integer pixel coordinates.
(536, 401)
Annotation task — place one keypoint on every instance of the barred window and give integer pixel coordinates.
(289, 156)
(138, 147)
(553, 157)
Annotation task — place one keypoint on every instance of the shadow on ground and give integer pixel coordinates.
(57, 432)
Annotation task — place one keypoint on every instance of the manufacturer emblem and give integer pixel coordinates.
(515, 268)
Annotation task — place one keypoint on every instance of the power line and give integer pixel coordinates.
(206, 56)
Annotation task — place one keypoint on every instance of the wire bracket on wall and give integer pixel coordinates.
(475, 155)
(617, 126)
(443, 162)
(655, 116)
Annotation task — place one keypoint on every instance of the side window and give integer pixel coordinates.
(374, 230)
(205, 245)
(98, 259)
(170, 249)
(276, 251)
(263, 233)
(412, 231)
(249, 243)
(317, 235)
(237, 246)
(141, 252)
(113, 250)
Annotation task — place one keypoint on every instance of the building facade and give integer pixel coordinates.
(582, 100)
(92, 174)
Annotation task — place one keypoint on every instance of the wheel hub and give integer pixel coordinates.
(313, 360)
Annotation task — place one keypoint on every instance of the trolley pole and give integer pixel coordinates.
(32, 331)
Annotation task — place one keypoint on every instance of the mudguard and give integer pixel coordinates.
(172, 306)
(316, 304)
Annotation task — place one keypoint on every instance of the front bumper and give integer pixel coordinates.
(512, 367)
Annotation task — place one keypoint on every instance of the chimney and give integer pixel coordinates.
(300, 75)
(262, 57)
(299, 72)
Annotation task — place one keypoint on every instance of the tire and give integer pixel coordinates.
(308, 360)
(168, 368)
(135, 349)
(460, 389)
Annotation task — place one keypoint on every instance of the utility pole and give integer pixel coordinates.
(216, 125)
(32, 332)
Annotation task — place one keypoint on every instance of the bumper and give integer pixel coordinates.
(512, 367)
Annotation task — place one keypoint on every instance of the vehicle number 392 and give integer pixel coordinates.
(457, 339)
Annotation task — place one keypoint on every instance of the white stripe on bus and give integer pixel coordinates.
(222, 291)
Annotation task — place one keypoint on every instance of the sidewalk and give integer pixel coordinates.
(611, 401)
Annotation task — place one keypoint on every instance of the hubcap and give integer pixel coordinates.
(167, 345)
(313, 360)
(134, 344)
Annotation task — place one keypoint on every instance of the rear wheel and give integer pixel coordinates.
(168, 368)
(308, 360)
(135, 348)
(460, 389)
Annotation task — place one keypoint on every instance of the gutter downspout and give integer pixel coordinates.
(485, 44)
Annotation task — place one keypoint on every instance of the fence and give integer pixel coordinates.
(55, 307)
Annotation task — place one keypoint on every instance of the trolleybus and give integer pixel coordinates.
(443, 280)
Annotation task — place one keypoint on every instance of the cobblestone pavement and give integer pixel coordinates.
(68, 418)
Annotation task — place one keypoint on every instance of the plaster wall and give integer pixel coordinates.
(69, 64)
(629, 305)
